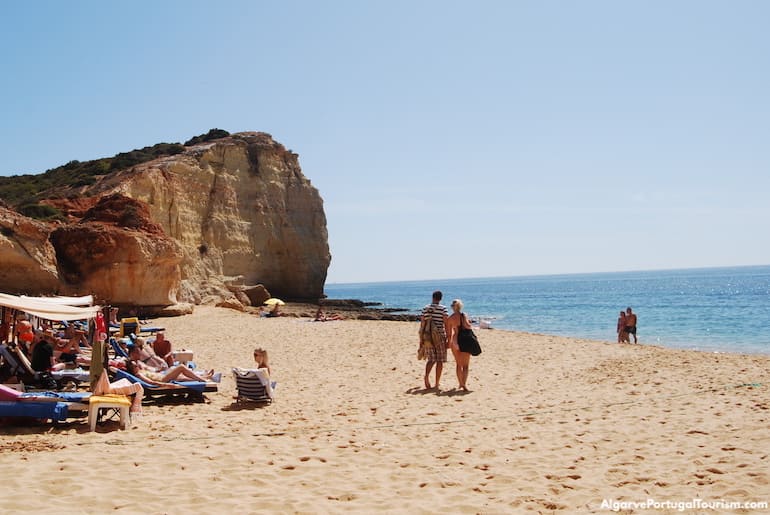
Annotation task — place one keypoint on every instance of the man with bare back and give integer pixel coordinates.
(631, 323)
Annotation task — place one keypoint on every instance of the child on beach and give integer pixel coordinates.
(261, 359)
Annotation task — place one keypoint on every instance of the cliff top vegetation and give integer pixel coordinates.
(24, 192)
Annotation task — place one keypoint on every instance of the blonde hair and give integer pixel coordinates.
(458, 303)
(263, 352)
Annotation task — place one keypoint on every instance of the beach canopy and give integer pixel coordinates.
(48, 309)
(274, 301)
(86, 300)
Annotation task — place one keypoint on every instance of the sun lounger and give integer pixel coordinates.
(12, 366)
(76, 375)
(56, 406)
(56, 411)
(133, 326)
(117, 349)
(22, 369)
(193, 389)
(253, 385)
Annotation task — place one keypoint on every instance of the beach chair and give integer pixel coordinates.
(132, 325)
(114, 404)
(55, 411)
(192, 389)
(17, 363)
(12, 367)
(253, 385)
(60, 406)
(128, 326)
(56, 406)
(117, 349)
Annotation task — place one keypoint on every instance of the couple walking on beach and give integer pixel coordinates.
(627, 326)
(439, 330)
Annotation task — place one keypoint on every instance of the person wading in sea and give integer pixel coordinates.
(631, 324)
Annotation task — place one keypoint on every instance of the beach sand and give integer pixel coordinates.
(551, 425)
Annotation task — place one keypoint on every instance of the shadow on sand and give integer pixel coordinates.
(443, 393)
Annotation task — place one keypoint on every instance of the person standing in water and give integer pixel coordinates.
(621, 329)
(631, 324)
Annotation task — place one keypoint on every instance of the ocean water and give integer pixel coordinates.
(713, 309)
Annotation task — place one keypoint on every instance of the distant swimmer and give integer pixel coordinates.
(631, 324)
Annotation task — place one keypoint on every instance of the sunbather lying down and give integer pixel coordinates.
(164, 378)
(122, 387)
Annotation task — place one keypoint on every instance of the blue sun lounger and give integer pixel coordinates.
(192, 388)
(56, 411)
(117, 349)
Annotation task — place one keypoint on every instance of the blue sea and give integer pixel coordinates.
(712, 309)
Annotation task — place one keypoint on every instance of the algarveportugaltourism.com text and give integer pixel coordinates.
(693, 504)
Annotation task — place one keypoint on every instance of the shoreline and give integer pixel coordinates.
(712, 309)
(355, 309)
(552, 424)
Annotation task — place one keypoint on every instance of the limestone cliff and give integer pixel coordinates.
(27, 258)
(234, 208)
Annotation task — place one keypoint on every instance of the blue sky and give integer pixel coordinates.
(448, 139)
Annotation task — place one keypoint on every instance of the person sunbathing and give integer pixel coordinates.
(162, 348)
(320, 316)
(261, 359)
(114, 322)
(24, 332)
(66, 351)
(73, 334)
(148, 356)
(154, 377)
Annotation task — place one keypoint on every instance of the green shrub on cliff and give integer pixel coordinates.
(27, 189)
(209, 136)
(40, 211)
(128, 159)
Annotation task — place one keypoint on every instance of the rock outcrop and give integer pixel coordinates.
(237, 206)
(27, 258)
(119, 253)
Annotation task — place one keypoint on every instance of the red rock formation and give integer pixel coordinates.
(73, 208)
(119, 254)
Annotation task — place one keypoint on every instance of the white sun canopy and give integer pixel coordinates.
(42, 308)
(86, 300)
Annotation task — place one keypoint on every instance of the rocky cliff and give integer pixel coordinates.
(27, 258)
(221, 215)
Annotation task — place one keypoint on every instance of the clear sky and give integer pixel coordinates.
(448, 139)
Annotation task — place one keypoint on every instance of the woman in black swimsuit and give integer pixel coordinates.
(462, 356)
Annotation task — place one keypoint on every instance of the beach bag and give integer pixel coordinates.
(467, 341)
(45, 381)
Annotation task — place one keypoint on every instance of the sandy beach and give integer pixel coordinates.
(551, 425)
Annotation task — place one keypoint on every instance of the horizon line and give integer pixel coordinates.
(718, 267)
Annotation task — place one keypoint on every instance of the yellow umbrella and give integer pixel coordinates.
(273, 301)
